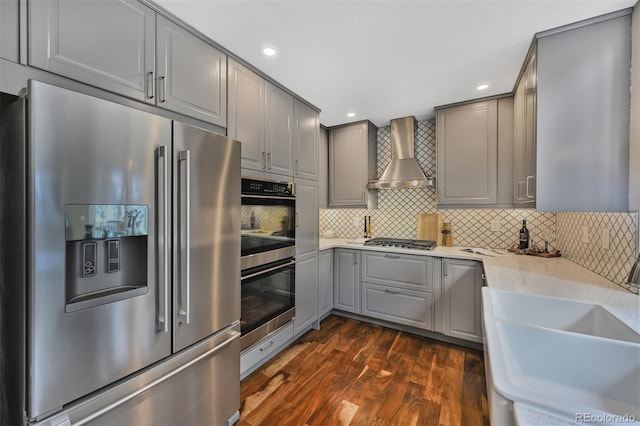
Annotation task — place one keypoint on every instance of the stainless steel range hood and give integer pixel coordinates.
(403, 171)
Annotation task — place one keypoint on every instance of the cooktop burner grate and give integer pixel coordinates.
(401, 243)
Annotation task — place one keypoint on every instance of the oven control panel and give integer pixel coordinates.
(263, 187)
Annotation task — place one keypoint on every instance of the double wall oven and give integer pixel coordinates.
(268, 258)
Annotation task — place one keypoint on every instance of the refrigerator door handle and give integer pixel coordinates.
(163, 237)
(184, 314)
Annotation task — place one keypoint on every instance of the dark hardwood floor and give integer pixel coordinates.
(354, 373)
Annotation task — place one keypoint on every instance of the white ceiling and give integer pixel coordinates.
(385, 59)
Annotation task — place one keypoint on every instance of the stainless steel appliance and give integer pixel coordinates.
(268, 263)
(401, 243)
(133, 236)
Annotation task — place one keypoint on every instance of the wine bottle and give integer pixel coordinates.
(524, 236)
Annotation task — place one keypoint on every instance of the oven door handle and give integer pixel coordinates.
(275, 268)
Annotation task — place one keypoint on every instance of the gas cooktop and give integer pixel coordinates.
(402, 243)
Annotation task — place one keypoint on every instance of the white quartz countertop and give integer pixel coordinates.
(555, 277)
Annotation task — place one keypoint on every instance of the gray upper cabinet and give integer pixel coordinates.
(307, 126)
(112, 45)
(261, 117)
(279, 142)
(323, 168)
(107, 44)
(247, 91)
(352, 164)
(524, 137)
(192, 75)
(10, 30)
(583, 116)
(467, 153)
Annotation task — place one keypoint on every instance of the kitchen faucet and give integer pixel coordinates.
(634, 276)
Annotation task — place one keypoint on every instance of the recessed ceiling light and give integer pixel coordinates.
(351, 114)
(482, 86)
(269, 51)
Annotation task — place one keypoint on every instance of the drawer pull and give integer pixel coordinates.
(386, 290)
(266, 347)
(390, 256)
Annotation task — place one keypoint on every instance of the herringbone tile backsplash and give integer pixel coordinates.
(397, 212)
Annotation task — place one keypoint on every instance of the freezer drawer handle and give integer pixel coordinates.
(184, 314)
(163, 237)
(232, 336)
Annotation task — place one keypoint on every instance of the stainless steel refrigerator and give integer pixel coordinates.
(132, 265)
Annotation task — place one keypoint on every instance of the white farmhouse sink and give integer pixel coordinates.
(560, 314)
(562, 356)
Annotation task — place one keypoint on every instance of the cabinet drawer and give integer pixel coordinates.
(400, 306)
(265, 348)
(398, 270)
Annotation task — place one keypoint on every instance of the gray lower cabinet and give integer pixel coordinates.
(352, 164)
(462, 299)
(306, 292)
(325, 283)
(261, 117)
(127, 48)
(107, 44)
(10, 30)
(398, 305)
(398, 288)
(192, 75)
(346, 281)
(306, 134)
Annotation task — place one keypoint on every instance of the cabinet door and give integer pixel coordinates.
(10, 30)
(108, 44)
(306, 292)
(246, 118)
(525, 137)
(346, 291)
(348, 166)
(323, 168)
(467, 154)
(192, 75)
(325, 284)
(306, 141)
(279, 131)
(462, 297)
(306, 217)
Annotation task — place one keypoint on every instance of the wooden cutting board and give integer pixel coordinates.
(430, 227)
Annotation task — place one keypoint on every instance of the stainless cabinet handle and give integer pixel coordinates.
(163, 89)
(355, 259)
(297, 220)
(297, 168)
(264, 159)
(484, 277)
(264, 348)
(268, 161)
(528, 194)
(386, 290)
(163, 237)
(389, 256)
(150, 87)
(185, 241)
(445, 268)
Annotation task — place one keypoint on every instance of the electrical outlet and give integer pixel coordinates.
(496, 225)
(585, 234)
(356, 221)
(606, 239)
